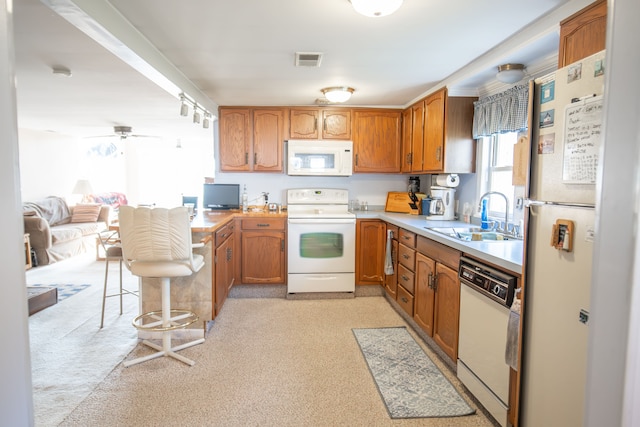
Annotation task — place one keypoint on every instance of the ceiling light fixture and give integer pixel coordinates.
(510, 73)
(196, 115)
(61, 71)
(184, 108)
(337, 93)
(376, 8)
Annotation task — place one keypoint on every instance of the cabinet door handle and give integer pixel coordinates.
(438, 153)
(409, 158)
(263, 225)
(246, 158)
(281, 245)
(356, 159)
(315, 124)
(405, 256)
(405, 278)
(324, 125)
(435, 283)
(404, 300)
(430, 281)
(255, 158)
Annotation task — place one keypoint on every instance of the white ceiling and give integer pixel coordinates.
(241, 52)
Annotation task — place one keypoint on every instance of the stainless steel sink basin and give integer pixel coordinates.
(469, 234)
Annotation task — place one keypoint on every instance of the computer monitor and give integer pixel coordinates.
(221, 196)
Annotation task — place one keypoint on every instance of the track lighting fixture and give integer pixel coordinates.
(196, 115)
(184, 108)
(198, 112)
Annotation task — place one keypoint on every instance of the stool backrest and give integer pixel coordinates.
(157, 234)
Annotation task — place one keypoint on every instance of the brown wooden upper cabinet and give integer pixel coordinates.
(434, 132)
(440, 139)
(376, 141)
(583, 33)
(251, 139)
(414, 145)
(315, 123)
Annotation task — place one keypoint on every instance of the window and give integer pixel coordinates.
(497, 167)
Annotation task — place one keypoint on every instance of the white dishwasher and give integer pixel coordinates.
(485, 297)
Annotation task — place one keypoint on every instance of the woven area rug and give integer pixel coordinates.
(64, 290)
(410, 384)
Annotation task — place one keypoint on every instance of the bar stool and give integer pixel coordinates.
(157, 243)
(110, 244)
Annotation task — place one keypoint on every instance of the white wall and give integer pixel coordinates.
(147, 170)
(50, 164)
(16, 401)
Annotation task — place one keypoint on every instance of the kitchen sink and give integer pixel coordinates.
(469, 234)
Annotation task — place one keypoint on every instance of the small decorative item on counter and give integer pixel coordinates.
(245, 199)
(466, 212)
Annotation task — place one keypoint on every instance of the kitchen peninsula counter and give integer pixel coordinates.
(505, 254)
(196, 292)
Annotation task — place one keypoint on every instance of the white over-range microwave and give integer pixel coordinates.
(319, 158)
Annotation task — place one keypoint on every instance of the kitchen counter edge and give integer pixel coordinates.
(505, 254)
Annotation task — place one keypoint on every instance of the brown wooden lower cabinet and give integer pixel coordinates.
(437, 294)
(263, 251)
(425, 294)
(370, 238)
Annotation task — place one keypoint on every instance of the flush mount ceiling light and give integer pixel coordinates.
(376, 8)
(61, 71)
(510, 73)
(338, 93)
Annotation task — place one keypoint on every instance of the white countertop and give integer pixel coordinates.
(506, 254)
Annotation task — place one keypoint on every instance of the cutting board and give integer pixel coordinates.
(398, 201)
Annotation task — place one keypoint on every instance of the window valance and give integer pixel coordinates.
(502, 112)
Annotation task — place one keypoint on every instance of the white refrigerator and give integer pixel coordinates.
(559, 233)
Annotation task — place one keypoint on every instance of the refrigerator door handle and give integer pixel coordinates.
(532, 202)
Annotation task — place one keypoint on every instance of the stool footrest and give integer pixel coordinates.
(185, 317)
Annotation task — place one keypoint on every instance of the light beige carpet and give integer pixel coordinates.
(70, 354)
(267, 362)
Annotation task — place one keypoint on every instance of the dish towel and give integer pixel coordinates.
(513, 328)
(388, 261)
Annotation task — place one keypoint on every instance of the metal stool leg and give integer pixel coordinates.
(167, 324)
(104, 291)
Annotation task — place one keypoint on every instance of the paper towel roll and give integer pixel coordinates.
(447, 180)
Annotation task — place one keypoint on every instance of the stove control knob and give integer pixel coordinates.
(496, 290)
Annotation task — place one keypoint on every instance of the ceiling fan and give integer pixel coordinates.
(111, 149)
(123, 132)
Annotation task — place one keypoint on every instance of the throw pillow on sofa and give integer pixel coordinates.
(85, 213)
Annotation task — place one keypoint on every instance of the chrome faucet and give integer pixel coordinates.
(506, 208)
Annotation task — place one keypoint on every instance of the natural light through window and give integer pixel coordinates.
(497, 165)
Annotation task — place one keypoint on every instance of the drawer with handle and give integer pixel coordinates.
(405, 300)
(263, 224)
(406, 278)
(407, 257)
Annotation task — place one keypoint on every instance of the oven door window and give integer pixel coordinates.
(321, 245)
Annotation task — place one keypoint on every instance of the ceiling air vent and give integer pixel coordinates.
(308, 59)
